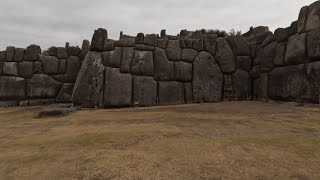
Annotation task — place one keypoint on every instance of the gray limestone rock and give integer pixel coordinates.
(188, 94)
(163, 43)
(73, 68)
(188, 55)
(31, 53)
(244, 62)
(10, 53)
(65, 93)
(280, 54)
(126, 42)
(62, 66)
(37, 67)
(151, 40)
(313, 16)
(242, 85)
(142, 47)
(281, 34)
(62, 53)
(73, 51)
(140, 38)
(18, 54)
(239, 45)
(10, 68)
(313, 45)
(302, 19)
(210, 44)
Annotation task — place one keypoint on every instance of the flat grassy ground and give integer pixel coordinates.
(239, 140)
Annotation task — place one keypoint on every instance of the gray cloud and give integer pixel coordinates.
(47, 22)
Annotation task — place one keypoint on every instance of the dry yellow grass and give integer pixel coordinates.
(240, 140)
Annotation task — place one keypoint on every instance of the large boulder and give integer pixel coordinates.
(143, 47)
(286, 83)
(126, 42)
(42, 86)
(171, 93)
(117, 88)
(280, 54)
(224, 56)
(10, 68)
(207, 79)
(313, 19)
(65, 93)
(18, 54)
(88, 89)
(127, 56)
(183, 71)
(12, 88)
(188, 55)
(296, 49)
(244, 62)
(142, 63)
(239, 45)
(31, 53)
(1, 66)
(163, 68)
(270, 49)
(302, 20)
(281, 34)
(50, 65)
(266, 64)
(112, 58)
(151, 39)
(145, 91)
(98, 39)
(25, 69)
(242, 85)
(313, 45)
(73, 68)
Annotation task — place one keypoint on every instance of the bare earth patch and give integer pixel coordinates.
(238, 140)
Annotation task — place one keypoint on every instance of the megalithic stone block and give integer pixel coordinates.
(145, 91)
(98, 39)
(171, 93)
(242, 85)
(224, 56)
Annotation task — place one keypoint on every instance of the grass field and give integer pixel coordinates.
(239, 140)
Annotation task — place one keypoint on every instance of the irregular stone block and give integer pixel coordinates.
(270, 49)
(42, 86)
(112, 58)
(163, 43)
(281, 34)
(117, 89)
(52, 51)
(73, 68)
(296, 49)
(126, 42)
(88, 89)
(188, 94)
(280, 54)
(98, 39)
(10, 53)
(18, 54)
(109, 45)
(85, 44)
(286, 83)
(183, 71)
(127, 56)
(239, 45)
(313, 45)
(142, 47)
(189, 43)
(10, 68)
(242, 85)
(173, 54)
(174, 44)
(224, 56)
(207, 79)
(83, 54)
(266, 64)
(151, 39)
(62, 66)
(25, 69)
(163, 68)
(37, 67)
(311, 90)
(181, 42)
(2, 55)
(313, 16)
(293, 29)
(12, 88)
(268, 40)
(50, 65)
(210, 44)
(41, 102)
(188, 55)
(65, 93)
(31, 53)
(256, 89)
(302, 19)
(145, 92)
(142, 63)
(73, 51)
(244, 62)
(140, 38)
(171, 93)
(198, 45)
(62, 53)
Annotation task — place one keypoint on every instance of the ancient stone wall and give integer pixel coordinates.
(152, 69)
(31, 77)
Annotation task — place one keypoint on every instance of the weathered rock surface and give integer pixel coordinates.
(242, 85)
(183, 71)
(73, 51)
(171, 93)
(151, 40)
(142, 63)
(12, 88)
(207, 79)
(313, 45)
(56, 111)
(296, 49)
(37, 67)
(42, 86)
(188, 94)
(50, 65)
(143, 47)
(65, 93)
(127, 56)
(313, 16)
(163, 68)
(117, 88)
(62, 53)
(140, 38)
(244, 62)
(311, 89)
(239, 45)
(255, 72)
(10, 68)
(10, 53)
(98, 39)
(188, 55)
(31, 53)
(62, 66)
(281, 34)
(112, 58)
(280, 54)
(18, 54)
(126, 42)
(302, 19)
(88, 89)
(73, 68)
(210, 44)
(25, 69)
(163, 43)
(224, 56)
(145, 91)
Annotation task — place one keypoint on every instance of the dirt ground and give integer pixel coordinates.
(236, 140)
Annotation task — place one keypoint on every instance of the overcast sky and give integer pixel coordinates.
(53, 22)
